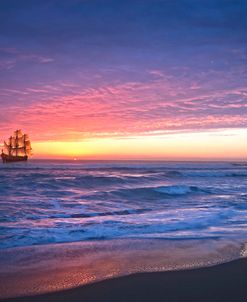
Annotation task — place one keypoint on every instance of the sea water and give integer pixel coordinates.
(172, 214)
(44, 202)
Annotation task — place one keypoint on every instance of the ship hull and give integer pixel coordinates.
(10, 158)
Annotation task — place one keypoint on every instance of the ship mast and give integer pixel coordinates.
(25, 145)
(10, 145)
(16, 142)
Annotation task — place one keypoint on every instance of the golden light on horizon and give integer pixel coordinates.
(224, 144)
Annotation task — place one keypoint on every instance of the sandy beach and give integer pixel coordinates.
(37, 270)
(224, 282)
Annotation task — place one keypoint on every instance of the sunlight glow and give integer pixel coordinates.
(224, 144)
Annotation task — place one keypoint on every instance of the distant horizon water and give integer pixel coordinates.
(138, 159)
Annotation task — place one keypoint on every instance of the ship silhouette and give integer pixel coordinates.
(17, 148)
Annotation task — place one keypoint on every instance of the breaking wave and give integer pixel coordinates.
(155, 192)
(179, 190)
(47, 202)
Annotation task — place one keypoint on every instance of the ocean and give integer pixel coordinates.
(44, 202)
(126, 209)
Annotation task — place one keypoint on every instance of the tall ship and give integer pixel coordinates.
(16, 148)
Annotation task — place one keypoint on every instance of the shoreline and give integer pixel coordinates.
(36, 270)
(222, 282)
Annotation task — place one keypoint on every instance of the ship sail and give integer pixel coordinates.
(11, 141)
(18, 134)
(6, 147)
(17, 148)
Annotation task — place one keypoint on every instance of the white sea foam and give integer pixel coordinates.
(54, 202)
(39, 269)
(176, 190)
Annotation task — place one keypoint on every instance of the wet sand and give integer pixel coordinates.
(37, 270)
(224, 282)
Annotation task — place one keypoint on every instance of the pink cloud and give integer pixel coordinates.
(68, 112)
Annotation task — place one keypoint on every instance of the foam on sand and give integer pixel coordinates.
(55, 267)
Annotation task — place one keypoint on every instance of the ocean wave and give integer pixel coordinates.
(47, 202)
(155, 192)
(170, 174)
(179, 190)
(216, 173)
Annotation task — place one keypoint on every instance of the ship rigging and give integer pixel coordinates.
(17, 148)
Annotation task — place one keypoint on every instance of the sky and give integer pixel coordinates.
(153, 79)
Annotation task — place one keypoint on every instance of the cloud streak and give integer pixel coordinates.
(126, 110)
(77, 69)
